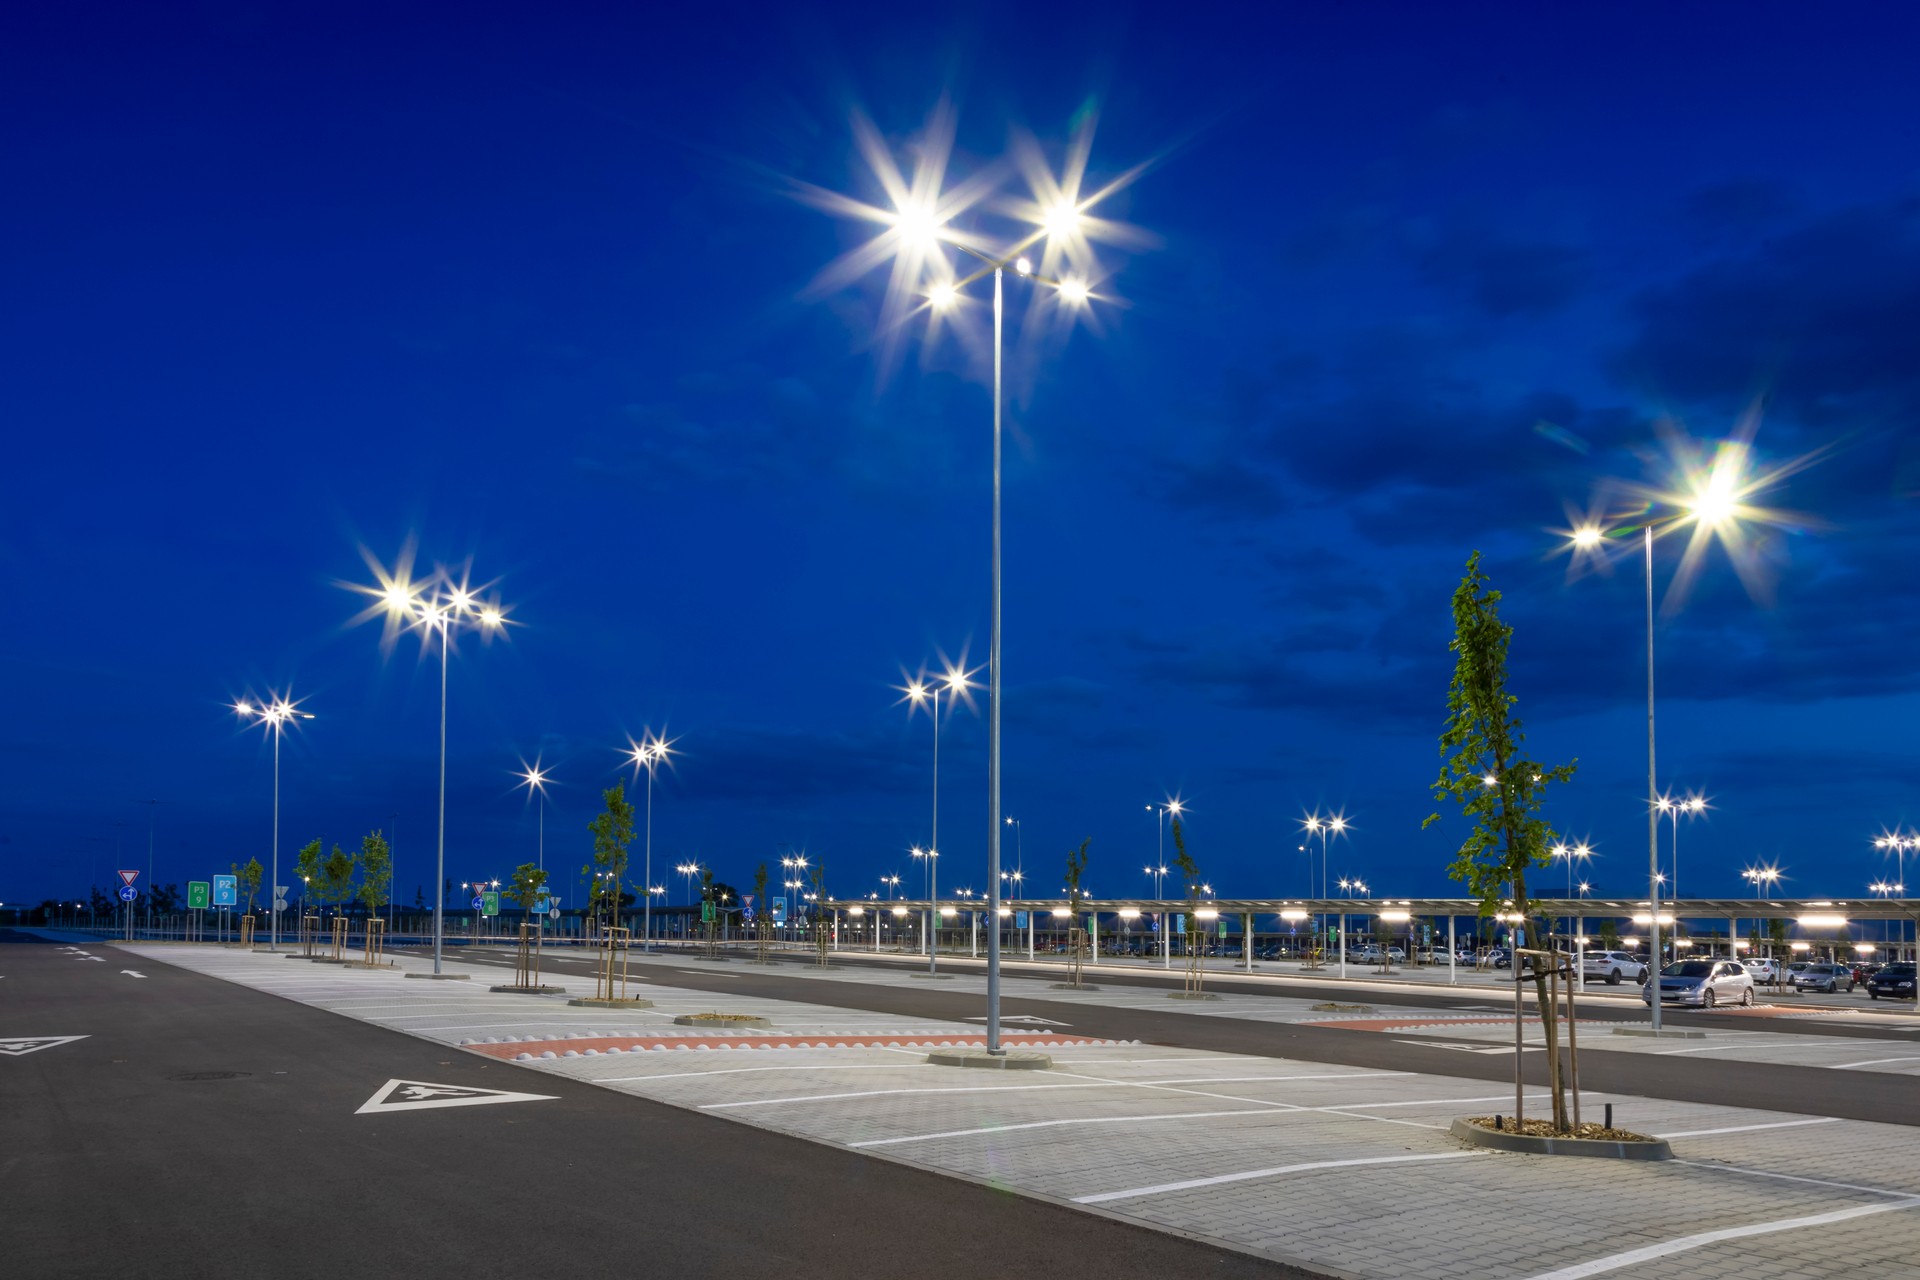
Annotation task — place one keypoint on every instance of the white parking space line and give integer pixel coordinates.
(1748, 1128)
(1745, 1044)
(1135, 1193)
(1871, 1062)
(1668, 1248)
(740, 1071)
(886, 1093)
(1424, 1102)
(1280, 1109)
(1793, 1177)
(1342, 1075)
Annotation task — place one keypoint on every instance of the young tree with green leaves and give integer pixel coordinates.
(528, 886)
(1190, 871)
(763, 914)
(247, 879)
(709, 908)
(336, 875)
(307, 867)
(612, 833)
(1488, 774)
(376, 871)
(1076, 867)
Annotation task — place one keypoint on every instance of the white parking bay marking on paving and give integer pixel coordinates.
(741, 1071)
(1871, 1062)
(1748, 1128)
(884, 1093)
(1668, 1248)
(1791, 1177)
(1277, 1109)
(1134, 1193)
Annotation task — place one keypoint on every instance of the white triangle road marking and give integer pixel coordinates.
(19, 1046)
(418, 1095)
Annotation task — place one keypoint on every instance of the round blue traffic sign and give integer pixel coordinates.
(128, 893)
(478, 902)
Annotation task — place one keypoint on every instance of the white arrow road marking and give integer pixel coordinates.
(19, 1046)
(1471, 1048)
(96, 959)
(418, 1095)
(133, 974)
(1026, 1019)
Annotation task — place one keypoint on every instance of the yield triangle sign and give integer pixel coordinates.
(128, 877)
(18, 1046)
(418, 1095)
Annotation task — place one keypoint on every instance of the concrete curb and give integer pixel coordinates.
(1477, 1136)
(732, 1020)
(1664, 1033)
(592, 1002)
(1011, 1060)
(530, 991)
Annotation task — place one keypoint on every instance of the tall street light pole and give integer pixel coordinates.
(150, 812)
(647, 754)
(954, 683)
(276, 713)
(437, 606)
(916, 234)
(1714, 501)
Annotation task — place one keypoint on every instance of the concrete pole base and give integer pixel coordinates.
(1011, 1060)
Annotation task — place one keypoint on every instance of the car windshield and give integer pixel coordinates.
(1688, 969)
(1896, 970)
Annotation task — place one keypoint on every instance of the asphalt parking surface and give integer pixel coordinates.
(204, 1128)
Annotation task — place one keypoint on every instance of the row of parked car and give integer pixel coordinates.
(1705, 983)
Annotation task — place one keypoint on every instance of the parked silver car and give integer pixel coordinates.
(1824, 977)
(1702, 984)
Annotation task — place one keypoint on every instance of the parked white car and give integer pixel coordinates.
(1615, 967)
(1765, 969)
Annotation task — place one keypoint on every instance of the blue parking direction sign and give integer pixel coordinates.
(128, 893)
(226, 892)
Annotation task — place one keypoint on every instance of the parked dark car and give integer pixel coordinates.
(1894, 981)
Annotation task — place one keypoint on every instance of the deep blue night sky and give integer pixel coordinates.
(286, 282)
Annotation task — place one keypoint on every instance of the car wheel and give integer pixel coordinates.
(1872, 994)
(1706, 1001)
(1746, 998)
(1613, 979)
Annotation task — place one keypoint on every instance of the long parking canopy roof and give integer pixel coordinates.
(1870, 908)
